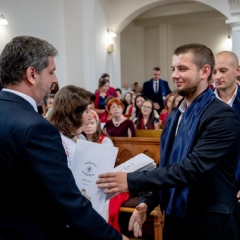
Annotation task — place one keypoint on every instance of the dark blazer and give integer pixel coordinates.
(163, 91)
(39, 197)
(208, 171)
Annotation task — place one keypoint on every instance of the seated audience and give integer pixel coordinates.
(125, 87)
(118, 126)
(176, 101)
(119, 93)
(137, 103)
(71, 110)
(167, 109)
(92, 130)
(128, 106)
(48, 105)
(146, 118)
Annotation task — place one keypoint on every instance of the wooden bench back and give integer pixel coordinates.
(149, 133)
(130, 147)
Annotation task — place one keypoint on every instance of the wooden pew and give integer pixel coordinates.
(149, 133)
(130, 147)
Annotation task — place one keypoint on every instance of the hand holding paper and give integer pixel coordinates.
(115, 182)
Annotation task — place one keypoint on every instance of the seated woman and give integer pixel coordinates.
(92, 130)
(137, 103)
(71, 110)
(118, 126)
(127, 102)
(146, 118)
(167, 109)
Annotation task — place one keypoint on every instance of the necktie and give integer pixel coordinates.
(156, 87)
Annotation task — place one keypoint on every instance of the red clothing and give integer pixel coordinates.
(163, 117)
(115, 203)
(121, 130)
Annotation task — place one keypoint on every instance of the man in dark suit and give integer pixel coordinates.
(156, 89)
(39, 197)
(199, 149)
(225, 75)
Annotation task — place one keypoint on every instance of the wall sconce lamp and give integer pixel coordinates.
(3, 20)
(111, 35)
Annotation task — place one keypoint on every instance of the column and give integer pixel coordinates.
(235, 25)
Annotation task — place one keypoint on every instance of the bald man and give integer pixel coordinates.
(225, 75)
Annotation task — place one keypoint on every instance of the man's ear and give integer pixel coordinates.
(31, 75)
(206, 70)
(238, 71)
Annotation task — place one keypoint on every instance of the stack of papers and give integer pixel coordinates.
(90, 160)
(139, 163)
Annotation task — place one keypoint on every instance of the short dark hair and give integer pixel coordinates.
(156, 69)
(202, 55)
(104, 75)
(23, 52)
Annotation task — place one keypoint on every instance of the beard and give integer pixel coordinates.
(187, 92)
(43, 93)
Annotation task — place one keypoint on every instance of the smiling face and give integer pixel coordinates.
(225, 71)
(146, 108)
(189, 80)
(139, 101)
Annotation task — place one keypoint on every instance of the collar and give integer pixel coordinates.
(231, 100)
(183, 106)
(26, 97)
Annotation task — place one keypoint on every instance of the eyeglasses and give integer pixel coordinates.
(147, 107)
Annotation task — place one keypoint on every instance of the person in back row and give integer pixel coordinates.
(227, 90)
(156, 89)
(39, 197)
(119, 125)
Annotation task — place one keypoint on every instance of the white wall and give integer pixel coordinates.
(160, 42)
(43, 19)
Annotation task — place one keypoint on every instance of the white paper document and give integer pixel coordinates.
(90, 160)
(139, 163)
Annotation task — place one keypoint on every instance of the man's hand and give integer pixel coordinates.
(114, 182)
(125, 238)
(137, 219)
(156, 106)
(238, 196)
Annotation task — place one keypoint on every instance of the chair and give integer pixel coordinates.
(130, 147)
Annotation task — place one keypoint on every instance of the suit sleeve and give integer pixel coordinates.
(144, 90)
(45, 155)
(217, 140)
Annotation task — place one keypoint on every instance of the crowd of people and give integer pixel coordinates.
(197, 183)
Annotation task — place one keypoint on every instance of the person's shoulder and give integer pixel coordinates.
(219, 109)
(164, 81)
(148, 81)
